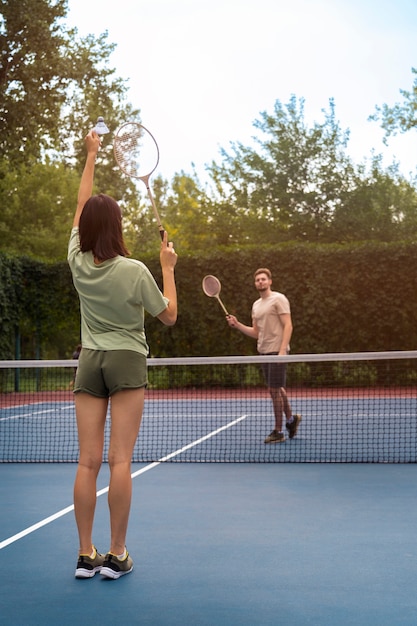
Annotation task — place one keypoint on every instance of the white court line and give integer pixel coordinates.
(36, 414)
(62, 409)
(68, 509)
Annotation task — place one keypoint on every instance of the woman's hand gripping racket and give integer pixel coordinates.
(212, 287)
(137, 155)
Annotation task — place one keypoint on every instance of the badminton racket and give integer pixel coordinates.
(137, 155)
(212, 287)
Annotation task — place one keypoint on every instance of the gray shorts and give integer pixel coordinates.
(275, 374)
(102, 373)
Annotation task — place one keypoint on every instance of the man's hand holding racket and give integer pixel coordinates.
(249, 331)
(232, 321)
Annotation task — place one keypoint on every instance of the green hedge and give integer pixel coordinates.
(346, 298)
(39, 312)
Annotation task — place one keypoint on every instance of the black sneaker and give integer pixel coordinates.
(87, 567)
(275, 437)
(113, 567)
(293, 426)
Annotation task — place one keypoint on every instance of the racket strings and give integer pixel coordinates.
(135, 150)
(211, 286)
(127, 151)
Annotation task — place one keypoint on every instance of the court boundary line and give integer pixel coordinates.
(68, 509)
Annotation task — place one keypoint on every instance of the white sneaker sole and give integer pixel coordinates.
(86, 573)
(108, 572)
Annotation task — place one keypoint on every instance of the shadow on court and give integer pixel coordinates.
(220, 544)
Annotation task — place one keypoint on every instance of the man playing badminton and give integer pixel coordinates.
(272, 328)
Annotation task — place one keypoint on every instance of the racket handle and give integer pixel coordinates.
(222, 305)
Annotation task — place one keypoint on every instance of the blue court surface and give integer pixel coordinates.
(218, 544)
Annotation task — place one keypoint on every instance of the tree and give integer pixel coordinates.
(298, 183)
(38, 203)
(34, 76)
(188, 210)
(380, 206)
(53, 86)
(289, 186)
(402, 116)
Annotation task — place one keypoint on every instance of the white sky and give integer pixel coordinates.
(201, 71)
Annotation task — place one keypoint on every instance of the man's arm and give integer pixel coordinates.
(250, 331)
(286, 333)
(92, 142)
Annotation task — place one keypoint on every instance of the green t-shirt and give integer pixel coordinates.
(113, 298)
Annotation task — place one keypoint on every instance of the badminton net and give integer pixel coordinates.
(359, 407)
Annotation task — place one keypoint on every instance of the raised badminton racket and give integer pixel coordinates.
(212, 287)
(137, 155)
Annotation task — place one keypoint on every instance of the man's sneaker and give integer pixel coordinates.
(275, 437)
(293, 426)
(87, 567)
(113, 567)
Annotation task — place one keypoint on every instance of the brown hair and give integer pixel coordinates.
(263, 270)
(100, 228)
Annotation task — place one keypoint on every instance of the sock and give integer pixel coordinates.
(122, 556)
(93, 554)
(290, 421)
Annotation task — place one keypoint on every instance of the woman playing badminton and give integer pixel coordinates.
(114, 292)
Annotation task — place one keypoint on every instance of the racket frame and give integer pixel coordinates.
(145, 177)
(214, 295)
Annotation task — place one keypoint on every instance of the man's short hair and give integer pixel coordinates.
(263, 270)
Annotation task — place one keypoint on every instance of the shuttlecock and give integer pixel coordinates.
(100, 127)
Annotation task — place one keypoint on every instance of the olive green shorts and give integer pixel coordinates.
(102, 373)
